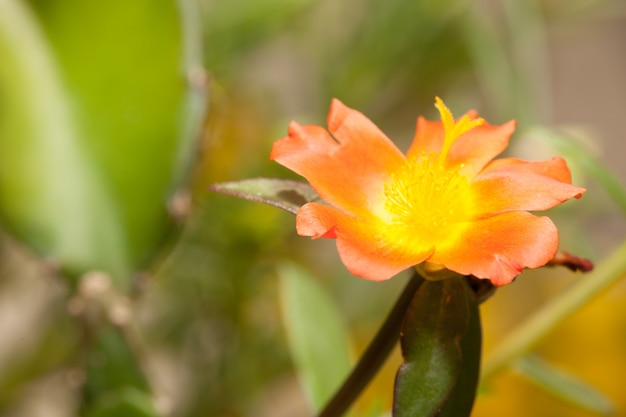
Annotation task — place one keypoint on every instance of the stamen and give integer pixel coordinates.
(453, 129)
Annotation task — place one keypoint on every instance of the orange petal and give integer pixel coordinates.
(511, 184)
(428, 138)
(476, 148)
(348, 173)
(498, 248)
(317, 220)
(555, 168)
(365, 261)
(360, 247)
(364, 147)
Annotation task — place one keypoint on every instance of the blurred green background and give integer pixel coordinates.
(127, 288)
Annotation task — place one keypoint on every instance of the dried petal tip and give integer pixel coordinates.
(571, 262)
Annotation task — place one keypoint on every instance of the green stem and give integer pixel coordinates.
(375, 354)
(529, 333)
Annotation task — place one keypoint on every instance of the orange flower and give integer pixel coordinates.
(446, 202)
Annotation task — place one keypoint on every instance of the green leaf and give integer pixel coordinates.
(440, 343)
(97, 125)
(563, 385)
(285, 194)
(318, 339)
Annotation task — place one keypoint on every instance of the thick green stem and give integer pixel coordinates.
(375, 354)
(529, 333)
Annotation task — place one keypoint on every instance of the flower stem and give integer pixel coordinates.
(375, 354)
(543, 321)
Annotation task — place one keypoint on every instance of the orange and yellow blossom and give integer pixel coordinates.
(446, 202)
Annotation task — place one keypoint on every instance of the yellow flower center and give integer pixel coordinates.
(427, 203)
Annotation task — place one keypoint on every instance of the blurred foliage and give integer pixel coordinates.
(318, 339)
(91, 128)
(100, 109)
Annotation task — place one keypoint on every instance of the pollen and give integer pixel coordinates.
(427, 204)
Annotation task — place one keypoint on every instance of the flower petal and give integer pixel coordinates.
(555, 168)
(359, 246)
(476, 148)
(428, 138)
(363, 145)
(317, 220)
(348, 173)
(498, 248)
(512, 184)
(367, 262)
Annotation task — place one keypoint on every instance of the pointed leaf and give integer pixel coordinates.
(440, 343)
(564, 385)
(285, 194)
(317, 338)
